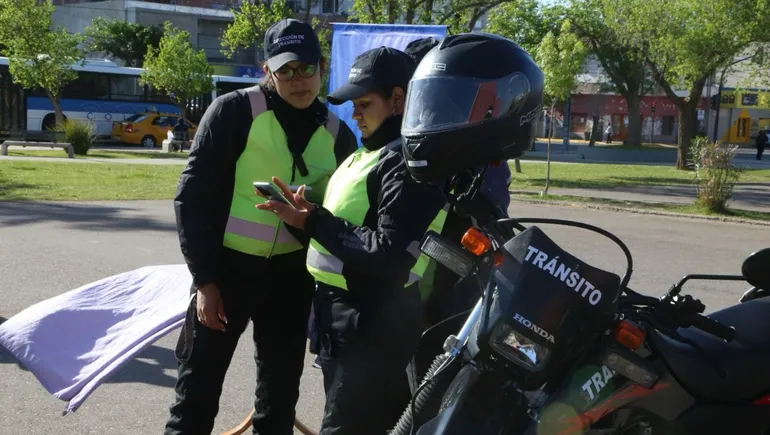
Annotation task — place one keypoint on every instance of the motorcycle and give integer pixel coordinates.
(556, 346)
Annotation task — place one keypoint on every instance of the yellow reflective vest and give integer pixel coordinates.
(258, 232)
(347, 198)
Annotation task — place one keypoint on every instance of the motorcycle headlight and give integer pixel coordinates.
(517, 348)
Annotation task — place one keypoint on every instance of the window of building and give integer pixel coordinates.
(667, 126)
(328, 7)
(294, 5)
(578, 122)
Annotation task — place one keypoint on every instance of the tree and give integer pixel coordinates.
(122, 40)
(372, 11)
(623, 64)
(684, 42)
(525, 22)
(39, 56)
(250, 22)
(176, 68)
(324, 38)
(462, 15)
(458, 15)
(561, 59)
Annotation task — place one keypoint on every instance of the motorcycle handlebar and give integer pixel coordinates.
(712, 327)
(709, 326)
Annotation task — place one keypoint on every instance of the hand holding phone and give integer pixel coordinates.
(271, 192)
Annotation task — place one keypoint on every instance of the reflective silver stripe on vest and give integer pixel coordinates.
(259, 105)
(331, 264)
(324, 262)
(414, 249)
(257, 100)
(257, 231)
(333, 124)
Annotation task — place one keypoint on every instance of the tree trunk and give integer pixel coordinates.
(634, 136)
(517, 166)
(308, 6)
(392, 11)
(426, 17)
(477, 13)
(374, 16)
(182, 109)
(56, 108)
(687, 120)
(410, 12)
(594, 130)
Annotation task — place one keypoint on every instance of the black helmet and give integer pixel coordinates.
(475, 99)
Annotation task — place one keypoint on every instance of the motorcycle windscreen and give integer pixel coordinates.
(551, 297)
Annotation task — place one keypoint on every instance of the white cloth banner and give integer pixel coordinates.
(74, 342)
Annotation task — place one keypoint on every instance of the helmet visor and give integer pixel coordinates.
(443, 103)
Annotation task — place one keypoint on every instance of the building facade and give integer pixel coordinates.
(594, 99)
(205, 20)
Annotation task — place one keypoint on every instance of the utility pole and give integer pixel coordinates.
(719, 93)
(566, 122)
(652, 130)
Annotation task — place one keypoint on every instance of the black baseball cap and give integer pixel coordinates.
(381, 68)
(289, 40)
(418, 48)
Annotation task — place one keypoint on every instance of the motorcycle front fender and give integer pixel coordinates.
(452, 405)
(465, 406)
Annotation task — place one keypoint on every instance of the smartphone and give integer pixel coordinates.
(294, 189)
(271, 192)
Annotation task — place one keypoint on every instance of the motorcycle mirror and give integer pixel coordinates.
(756, 269)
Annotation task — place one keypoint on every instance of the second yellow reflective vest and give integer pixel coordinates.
(347, 198)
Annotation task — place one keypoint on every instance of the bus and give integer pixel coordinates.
(103, 93)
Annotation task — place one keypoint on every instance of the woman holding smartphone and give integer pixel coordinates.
(247, 266)
(364, 254)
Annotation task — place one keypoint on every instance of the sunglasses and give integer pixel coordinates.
(286, 74)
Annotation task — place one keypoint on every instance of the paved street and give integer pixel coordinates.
(47, 249)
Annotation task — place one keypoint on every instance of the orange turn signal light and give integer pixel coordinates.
(629, 335)
(475, 242)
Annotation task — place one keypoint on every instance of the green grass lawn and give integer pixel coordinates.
(35, 180)
(21, 180)
(673, 208)
(101, 154)
(605, 176)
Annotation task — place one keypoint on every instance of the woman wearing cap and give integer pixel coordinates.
(364, 254)
(246, 264)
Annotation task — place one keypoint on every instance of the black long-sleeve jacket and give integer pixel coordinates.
(205, 189)
(380, 253)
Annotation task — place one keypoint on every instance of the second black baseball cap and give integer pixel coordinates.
(382, 68)
(418, 48)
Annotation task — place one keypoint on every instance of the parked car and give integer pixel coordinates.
(148, 129)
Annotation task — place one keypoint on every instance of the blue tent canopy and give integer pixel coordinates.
(350, 40)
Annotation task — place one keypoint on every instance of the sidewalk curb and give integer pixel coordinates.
(604, 207)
